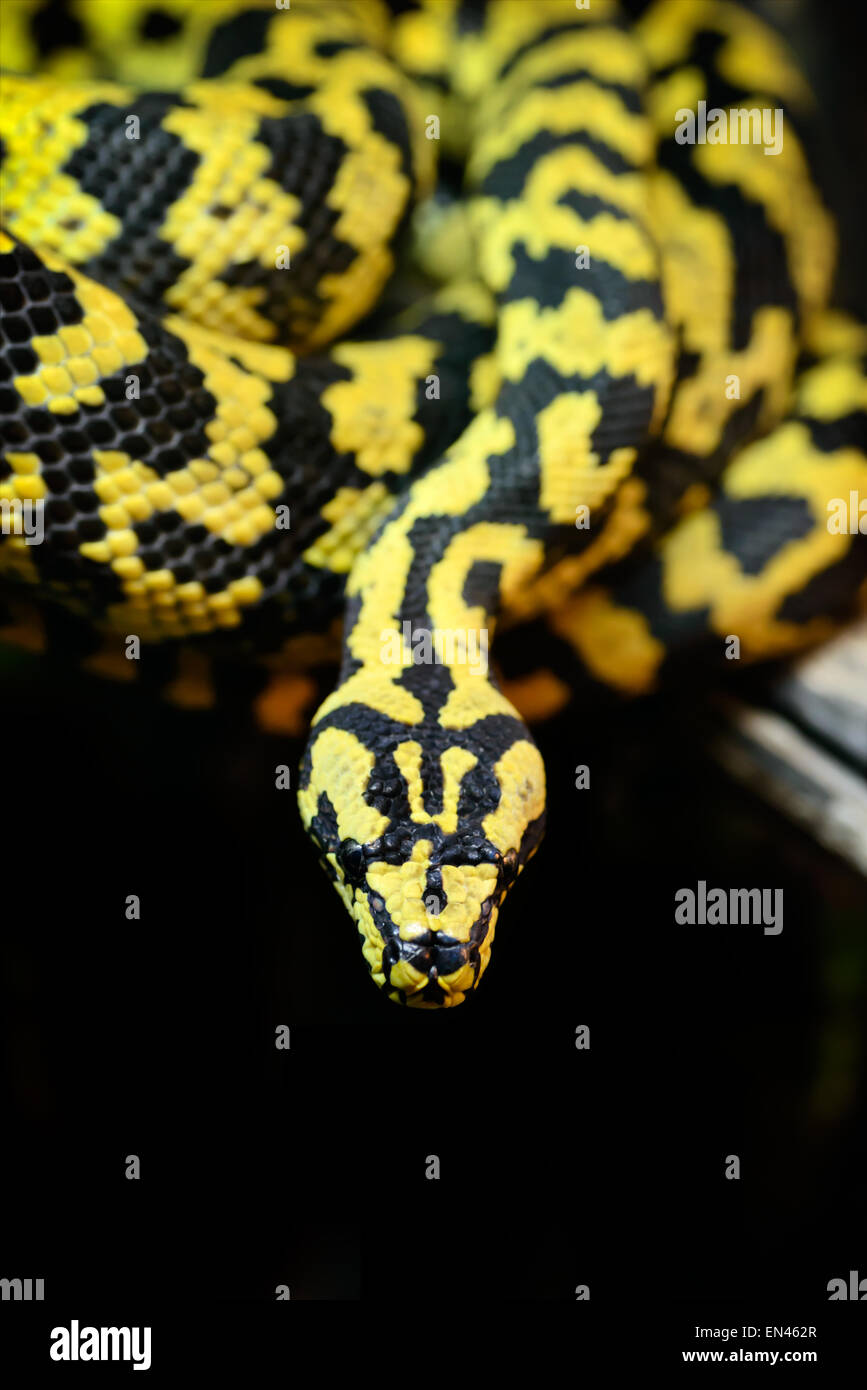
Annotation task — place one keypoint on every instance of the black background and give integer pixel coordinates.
(559, 1167)
(306, 1166)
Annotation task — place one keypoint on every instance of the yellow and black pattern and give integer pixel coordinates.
(167, 455)
(593, 430)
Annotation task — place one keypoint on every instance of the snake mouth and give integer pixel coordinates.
(433, 969)
(427, 920)
(434, 956)
(425, 905)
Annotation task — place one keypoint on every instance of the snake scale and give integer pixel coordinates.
(340, 332)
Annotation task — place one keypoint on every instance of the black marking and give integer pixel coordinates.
(158, 25)
(755, 529)
(554, 31)
(284, 90)
(330, 48)
(762, 273)
(550, 280)
(482, 584)
(304, 162)
(323, 826)
(642, 591)
(507, 177)
(431, 684)
(242, 36)
(53, 27)
(630, 97)
(471, 16)
(136, 181)
(627, 409)
(669, 472)
(488, 738)
(434, 889)
(588, 205)
(832, 593)
(847, 432)
(706, 52)
(388, 119)
(688, 364)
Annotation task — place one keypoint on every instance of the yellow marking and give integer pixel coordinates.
(284, 704)
(539, 222)
(832, 389)
(380, 574)
(442, 243)
(607, 54)
(402, 889)
(697, 495)
(456, 762)
(701, 408)
(830, 330)
(627, 522)
(520, 773)
(349, 293)
(584, 106)
(782, 185)
(752, 55)
(40, 130)
(373, 413)
(16, 559)
(108, 327)
(577, 339)
(230, 173)
(571, 474)
(698, 266)
(355, 513)
(341, 767)
(616, 644)
(485, 382)
(538, 696)
(510, 25)
(698, 572)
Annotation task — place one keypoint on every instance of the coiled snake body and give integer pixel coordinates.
(602, 398)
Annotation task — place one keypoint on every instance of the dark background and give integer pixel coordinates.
(559, 1166)
(306, 1167)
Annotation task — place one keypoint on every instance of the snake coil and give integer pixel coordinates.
(595, 396)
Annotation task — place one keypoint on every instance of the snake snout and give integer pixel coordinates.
(434, 955)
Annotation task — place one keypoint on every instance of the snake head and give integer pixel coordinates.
(423, 873)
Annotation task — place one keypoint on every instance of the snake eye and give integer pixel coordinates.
(352, 860)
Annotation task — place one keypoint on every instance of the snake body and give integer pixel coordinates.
(599, 403)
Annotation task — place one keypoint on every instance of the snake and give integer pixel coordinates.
(342, 340)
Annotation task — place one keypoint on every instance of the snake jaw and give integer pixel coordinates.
(420, 965)
(427, 919)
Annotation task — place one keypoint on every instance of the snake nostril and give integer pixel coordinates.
(434, 957)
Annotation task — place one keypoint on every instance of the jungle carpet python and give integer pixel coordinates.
(595, 393)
